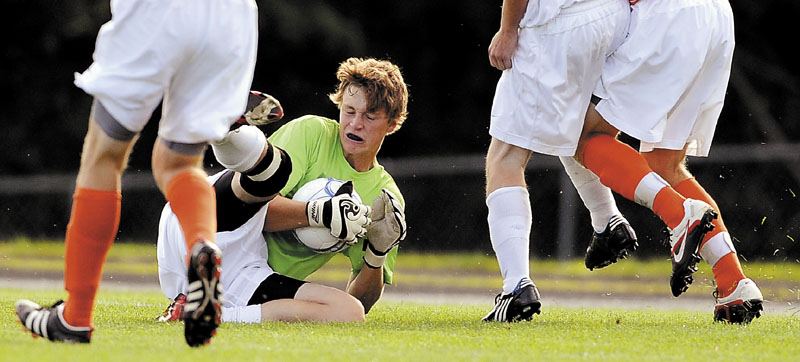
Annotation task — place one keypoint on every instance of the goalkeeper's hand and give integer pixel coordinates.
(344, 216)
(388, 227)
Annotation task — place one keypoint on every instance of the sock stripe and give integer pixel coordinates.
(272, 179)
(270, 161)
(647, 189)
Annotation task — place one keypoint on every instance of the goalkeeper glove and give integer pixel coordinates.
(388, 227)
(344, 216)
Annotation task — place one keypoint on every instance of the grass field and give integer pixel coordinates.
(127, 331)
(404, 331)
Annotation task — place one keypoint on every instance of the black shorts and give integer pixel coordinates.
(274, 287)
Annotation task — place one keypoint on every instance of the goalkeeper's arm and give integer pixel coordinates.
(384, 233)
(366, 286)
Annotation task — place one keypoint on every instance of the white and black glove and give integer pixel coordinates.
(344, 216)
(387, 228)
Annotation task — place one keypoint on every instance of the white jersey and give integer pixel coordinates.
(540, 103)
(666, 83)
(540, 12)
(244, 257)
(197, 55)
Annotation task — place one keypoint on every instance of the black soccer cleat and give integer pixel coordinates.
(685, 242)
(49, 322)
(613, 244)
(520, 305)
(203, 309)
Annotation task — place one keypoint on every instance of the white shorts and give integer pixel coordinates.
(244, 258)
(666, 83)
(197, 55)
(540, 103)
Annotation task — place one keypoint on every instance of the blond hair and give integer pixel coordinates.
(382, 84)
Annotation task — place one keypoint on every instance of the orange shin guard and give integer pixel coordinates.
(193, 201)
(618, 165)
(93, 225)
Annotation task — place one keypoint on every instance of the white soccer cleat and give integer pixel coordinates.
(685, 240)
(741, 306)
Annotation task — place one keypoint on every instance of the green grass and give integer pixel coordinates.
(779, 281)
(126, 331)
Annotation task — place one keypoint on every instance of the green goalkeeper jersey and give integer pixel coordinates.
(316, 151)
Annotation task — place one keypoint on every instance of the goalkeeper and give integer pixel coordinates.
(264, 263)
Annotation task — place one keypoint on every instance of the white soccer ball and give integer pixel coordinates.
(319, 239)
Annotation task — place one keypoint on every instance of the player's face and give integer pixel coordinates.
(361, 131)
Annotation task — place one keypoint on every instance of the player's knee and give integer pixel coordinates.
(350, 309)
(270, 175)
(668, 164)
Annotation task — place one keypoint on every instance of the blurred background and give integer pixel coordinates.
(437, 158)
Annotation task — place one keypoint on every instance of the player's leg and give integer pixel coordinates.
(280, 298)
(262, 169)
(176, 168)
(93, 225)
(625, 171)
(509, 230)
(716, 247)
(315, 303)
(613, 237)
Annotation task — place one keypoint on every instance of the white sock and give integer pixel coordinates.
(597, 198)
(240, 149)
(242, 314)
(715, 248)
(510, 230)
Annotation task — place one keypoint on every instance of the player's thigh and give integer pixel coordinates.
(323, 294)
(669, 164)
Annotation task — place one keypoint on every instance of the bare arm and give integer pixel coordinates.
(504, 41)
(285, 214)
(366, 286)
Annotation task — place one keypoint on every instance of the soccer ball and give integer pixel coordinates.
(320, 239)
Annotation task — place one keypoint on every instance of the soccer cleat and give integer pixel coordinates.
(611, 245)
(685, 241)
(175, 310)
(741, 306)
(49, 322)
(521, 304)
(261, 109)
(203, 310)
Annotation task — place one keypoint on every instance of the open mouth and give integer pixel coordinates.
(354, 137)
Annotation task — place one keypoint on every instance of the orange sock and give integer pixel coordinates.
(92, 227)
(623, 170)
(727, 274)
(194, 203)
